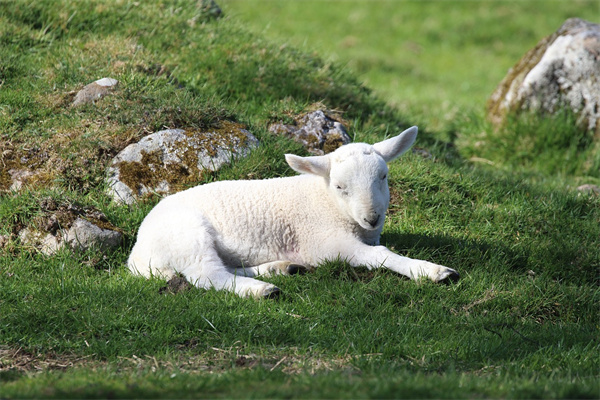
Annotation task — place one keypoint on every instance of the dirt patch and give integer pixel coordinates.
(176, 284)
(15, 362)
(57, 215)
(21, 361)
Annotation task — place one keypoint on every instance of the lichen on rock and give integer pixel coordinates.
(166, 161)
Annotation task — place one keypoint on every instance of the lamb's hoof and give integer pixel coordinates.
(294, 269)
(272, 293)
(449, 276)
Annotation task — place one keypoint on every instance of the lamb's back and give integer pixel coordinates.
(258, 221)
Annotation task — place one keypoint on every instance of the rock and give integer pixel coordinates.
(562, 70)
(80, 228)
(166, 161)
(210, 8)
(426, 154)
(84, 235)
(4, 239)
(318, 131)
(44, 242)
(94, 91)
(589, 189)
(19, 177)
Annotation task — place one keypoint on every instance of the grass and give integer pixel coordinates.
(434, 59)
(521, 323)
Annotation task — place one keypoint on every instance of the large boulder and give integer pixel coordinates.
(166, 161)
(563, 70)
(319, 131)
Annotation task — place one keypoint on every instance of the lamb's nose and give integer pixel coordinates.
(372, 220)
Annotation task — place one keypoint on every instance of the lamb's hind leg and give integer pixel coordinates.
(222, 279)
(281, 267)
(175, 240)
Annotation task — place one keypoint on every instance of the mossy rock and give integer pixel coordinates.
(66, 224)
(320, 131)
(168, 161)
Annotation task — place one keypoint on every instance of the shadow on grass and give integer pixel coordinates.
(464, 254)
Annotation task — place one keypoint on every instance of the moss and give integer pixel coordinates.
(332, 142)
(32, 160)
(495, 106)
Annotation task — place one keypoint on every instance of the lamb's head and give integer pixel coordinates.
(356, 176)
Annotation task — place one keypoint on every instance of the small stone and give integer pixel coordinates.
(94, 91)
(589, 189)
(19, 178)
(70, 225)
(84, 235)
(46, 243)
(107, 82)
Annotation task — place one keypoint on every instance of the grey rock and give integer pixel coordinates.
(589, 189)
(317, 131)
(44, 242)
(84, 235)
(60, 225)
(562, 70)
(166, 161)
(94, 91)
(19, 178)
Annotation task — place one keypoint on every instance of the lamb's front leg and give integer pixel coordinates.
(380, 256)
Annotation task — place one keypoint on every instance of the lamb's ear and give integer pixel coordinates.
(316, 165)
(394, 147)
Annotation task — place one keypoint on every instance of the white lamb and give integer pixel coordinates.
(224, 234)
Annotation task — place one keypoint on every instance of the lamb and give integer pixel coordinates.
(224, 234)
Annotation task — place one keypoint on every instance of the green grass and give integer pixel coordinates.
(435, 59)
(522, 322)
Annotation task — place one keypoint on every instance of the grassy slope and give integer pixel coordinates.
(501, 332)
(433, 57)
(439, 61)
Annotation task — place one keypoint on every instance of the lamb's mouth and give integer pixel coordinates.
(369, 226)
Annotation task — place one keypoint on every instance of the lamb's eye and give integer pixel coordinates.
(342, 189)
(383, 177)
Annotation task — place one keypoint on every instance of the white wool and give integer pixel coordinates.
(223, 234)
